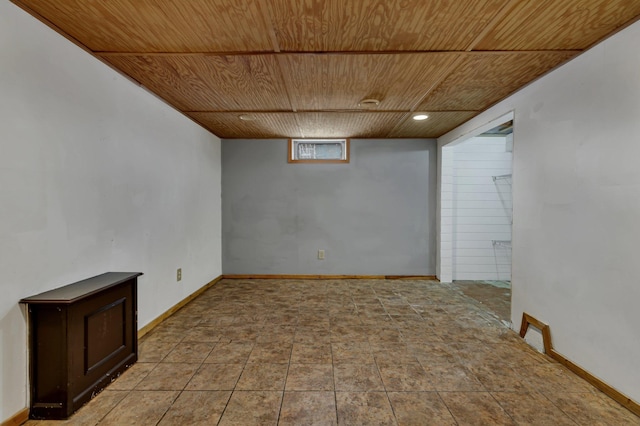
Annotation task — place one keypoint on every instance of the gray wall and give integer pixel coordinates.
(373, 216)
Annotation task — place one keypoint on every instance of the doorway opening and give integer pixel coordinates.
(479, 216)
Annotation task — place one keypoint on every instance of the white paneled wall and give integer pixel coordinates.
(445, 241)
(481, 209)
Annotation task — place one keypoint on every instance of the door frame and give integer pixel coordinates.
(444, 204)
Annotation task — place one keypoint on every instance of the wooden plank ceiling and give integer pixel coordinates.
(299, 68)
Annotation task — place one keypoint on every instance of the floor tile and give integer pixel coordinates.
(230, 353)
(434, 353)
(192, 352)
(181, 319)
(247, 408)
(500, 378)
(140, 408)
(357, 377)
(475, 408)
(168, 376)
(401, 310)
(304, 353)
(404, 377)
(593, 408)
(202, 334)
(452, 377)
(312, 335)
(393, 355)
(196, 408)
(553, 378)
(308, 408)
(90, 414)
(240, 332)
(134, 375)
(531, 409)
(364, 408)
(215, 377)
(496, 298)
(310, 377)
(163, 333)
(260, 376)
(420, 409)
(341, 332)
(381, 335)
(154, 350)
(371, 309)
(377, 320)
(352, 353)
(271, 353)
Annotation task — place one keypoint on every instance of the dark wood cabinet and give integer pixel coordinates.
(82, 336)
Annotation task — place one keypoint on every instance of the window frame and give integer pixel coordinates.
(291, 151)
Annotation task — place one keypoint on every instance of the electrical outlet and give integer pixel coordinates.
(321, 254)
(179, 274)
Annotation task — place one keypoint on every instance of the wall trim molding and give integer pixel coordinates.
(608, 390)
(326, 277)
(175, 308)
(18, 418)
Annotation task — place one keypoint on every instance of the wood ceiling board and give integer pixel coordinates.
(380, 25)
(209, 82)
(341, 81)
(482, 79)
(227, 125)
(160, 25)
(559, 25)
(435, 126)
(347, 124)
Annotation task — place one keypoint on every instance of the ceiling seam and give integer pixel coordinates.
(268, 20)
(441, 78)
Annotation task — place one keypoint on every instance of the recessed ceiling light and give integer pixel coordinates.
(420, 116)
(369, 103)
(247, 117)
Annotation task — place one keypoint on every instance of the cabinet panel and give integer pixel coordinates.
(81, 337)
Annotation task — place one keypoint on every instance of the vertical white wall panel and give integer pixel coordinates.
(482, 209)
(445, 221)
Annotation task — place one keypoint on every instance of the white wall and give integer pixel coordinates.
(481, 211)
(576, 202)
(96, 175)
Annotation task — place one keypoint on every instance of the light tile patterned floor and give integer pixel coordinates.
(348, 352)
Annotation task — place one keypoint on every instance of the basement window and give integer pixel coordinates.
(318, 151)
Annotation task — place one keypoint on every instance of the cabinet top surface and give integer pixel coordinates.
(81, 289)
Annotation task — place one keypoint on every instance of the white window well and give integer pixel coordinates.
(318, 151)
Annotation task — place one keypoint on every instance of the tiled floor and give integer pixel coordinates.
(343, 352)
(495, 296)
